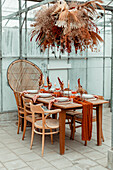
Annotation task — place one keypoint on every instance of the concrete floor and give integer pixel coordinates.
(16, 154)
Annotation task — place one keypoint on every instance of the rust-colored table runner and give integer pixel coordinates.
(86, 119)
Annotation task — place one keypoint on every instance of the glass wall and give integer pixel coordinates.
(93, 68)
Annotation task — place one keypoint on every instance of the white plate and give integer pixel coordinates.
(88, 96)
(67, 92)
(93, 99)
(45, 95)
(32, 91)
(77, 94)
(52, 89)
(62, 99)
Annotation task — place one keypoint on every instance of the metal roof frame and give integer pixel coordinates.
(19, 14)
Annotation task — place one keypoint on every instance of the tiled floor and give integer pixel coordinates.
(15, 153)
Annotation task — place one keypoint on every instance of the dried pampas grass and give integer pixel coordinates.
(65, 24)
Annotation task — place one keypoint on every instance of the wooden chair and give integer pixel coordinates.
(46, 123)
(28, 113)
(20, 109)
(76, 117)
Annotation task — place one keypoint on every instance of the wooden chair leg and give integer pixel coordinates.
(25, 122)
(102, 136)
(32, 137)
(72, 129)
(21, 125)
(51, 137)
(43, 138)
(69, 124)
(18, 125)
(73, 136)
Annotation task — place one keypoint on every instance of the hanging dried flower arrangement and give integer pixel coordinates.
(64, 25)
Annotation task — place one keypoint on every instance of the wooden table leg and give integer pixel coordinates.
(99, 124)
(22, 125)
(62, 117)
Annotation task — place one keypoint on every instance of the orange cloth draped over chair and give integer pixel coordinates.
(87, 119)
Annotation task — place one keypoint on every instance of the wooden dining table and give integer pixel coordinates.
(62, 116)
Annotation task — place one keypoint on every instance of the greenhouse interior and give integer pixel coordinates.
(56, 77)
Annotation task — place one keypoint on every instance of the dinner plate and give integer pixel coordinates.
(45, 95)
(88, 96)
(32, 91)
(93, 99)
(52, 89)
(77, 94)
(62, 99)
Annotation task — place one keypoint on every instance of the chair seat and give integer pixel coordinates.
(79, 116)
(21, 110)
(72, 113)
(51, 123)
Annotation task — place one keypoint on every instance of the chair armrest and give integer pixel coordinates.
(40, 104)
(52, 111)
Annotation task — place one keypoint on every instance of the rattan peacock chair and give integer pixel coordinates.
(23, 75)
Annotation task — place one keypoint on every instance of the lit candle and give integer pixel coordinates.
(68, 83)
(55, 84)
(43, 80)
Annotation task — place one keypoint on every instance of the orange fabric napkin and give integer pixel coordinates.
(35, 97)
(51, 103)
(55, 100)
(96, 96)
(86, 119)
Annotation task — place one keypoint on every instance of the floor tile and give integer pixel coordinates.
(84, 163)
(38, 164)
(8, 157)
(24, 168)
(73, 156)
(94, 155)
(49, 168)
(16, 154)
(21, 151)
(4, 150)
(29, 156)
(1, 165)
(102, 161)
(15, 145)
(61, 163)
(74, 167)
(16, 164)
(99, 167)
(52, 156)
(1, 145)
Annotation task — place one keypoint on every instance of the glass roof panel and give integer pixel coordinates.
(11, 6)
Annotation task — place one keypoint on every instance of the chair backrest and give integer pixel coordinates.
(18, 99)
(37, 108)
(23, 75)
(26, 104)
